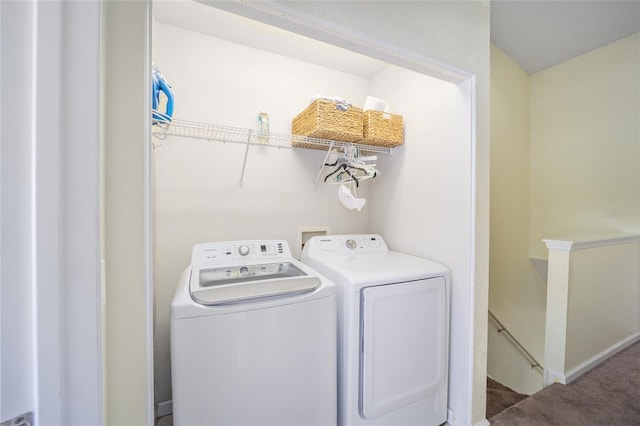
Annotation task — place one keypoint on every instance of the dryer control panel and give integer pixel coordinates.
(231, 252)
(344, 244)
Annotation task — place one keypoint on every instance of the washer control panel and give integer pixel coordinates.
(344, 244)
(229, 252)
(351, 244)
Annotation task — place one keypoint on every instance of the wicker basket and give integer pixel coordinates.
(322, 119)
(382, 129)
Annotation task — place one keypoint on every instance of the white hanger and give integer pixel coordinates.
(351, 169)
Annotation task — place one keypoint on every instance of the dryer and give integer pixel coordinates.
(393, 331)
(253, 338)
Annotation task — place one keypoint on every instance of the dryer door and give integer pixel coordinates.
(404, 338)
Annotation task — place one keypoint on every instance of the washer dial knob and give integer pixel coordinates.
(351, 244)
(243, 250)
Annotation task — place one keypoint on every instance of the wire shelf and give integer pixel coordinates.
(216, 132)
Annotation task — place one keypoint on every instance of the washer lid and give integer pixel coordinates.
(232, 284)
(358, 271)
(360, 260)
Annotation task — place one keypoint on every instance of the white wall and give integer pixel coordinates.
(604, 290)
(517, 284)
(415, 34)
(592, 306)
(197, 191)
(584, 145)
(421, 205)
(198, 198)
(566, 138)
(507, 364)
(455, 34)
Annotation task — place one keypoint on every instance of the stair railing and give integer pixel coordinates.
(503, 330)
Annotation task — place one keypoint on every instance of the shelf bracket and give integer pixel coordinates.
(323, 163)
(244, 162)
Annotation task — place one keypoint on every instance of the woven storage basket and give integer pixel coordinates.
(322, 119)
(382, 129)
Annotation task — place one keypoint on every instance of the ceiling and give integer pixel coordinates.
(537, 34)
(541, 34)
(204, 19)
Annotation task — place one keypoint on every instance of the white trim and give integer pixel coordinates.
(551, 376)
(592, 362)
(484, 422)
(164, 408)
(472, 230)
(451, 416)
(33, 193)
(148, 220)
(1, 217)
(581, 243)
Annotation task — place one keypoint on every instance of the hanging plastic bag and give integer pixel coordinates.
(349, 200)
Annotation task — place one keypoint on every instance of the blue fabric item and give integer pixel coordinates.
(160, 85)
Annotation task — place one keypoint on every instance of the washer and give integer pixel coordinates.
(253, 339)
(393, 331)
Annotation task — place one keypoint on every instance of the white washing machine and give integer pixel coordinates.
(253, 339)
(393, 331)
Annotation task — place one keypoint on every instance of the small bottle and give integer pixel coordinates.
(263, 127)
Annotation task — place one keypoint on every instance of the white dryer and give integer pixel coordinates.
(393, 331)
(253, 339)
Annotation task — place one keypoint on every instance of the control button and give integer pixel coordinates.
(244, 271)
(351, 244)
(243, 250)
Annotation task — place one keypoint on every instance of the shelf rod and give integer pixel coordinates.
(323, 163)
(244, 162)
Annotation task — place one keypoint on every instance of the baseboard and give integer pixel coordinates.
(164, 408)
(551, 377)
(484, 422)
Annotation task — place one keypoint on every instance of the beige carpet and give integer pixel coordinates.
(609, 395)
(500, 397)
(165, 421)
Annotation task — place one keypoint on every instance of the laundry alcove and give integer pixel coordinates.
(224, 70)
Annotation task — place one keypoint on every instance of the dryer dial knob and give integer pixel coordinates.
(243, 250)
(351, 244)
